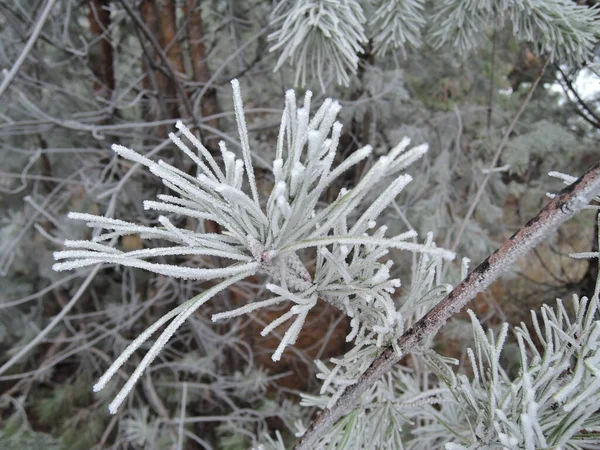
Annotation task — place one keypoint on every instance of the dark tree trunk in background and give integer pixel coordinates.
(101, 54)
(209, 105)
(169, 83)
(167, 36)
(155, 81)
(588, 282)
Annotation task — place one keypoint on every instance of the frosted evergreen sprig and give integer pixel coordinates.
(563, 206)
(561, 28)
(396, 24)
(269, 237)
(324, 37)
(553, 401)
(319, 37)
(426, 289)
(396, 402)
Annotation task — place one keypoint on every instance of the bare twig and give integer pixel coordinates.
(55, 321)
(582, 109)
(28, 46)
(182, 414)
(571, 200)
(503, 142)
(492, 83)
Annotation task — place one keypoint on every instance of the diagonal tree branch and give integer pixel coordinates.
(570, 201)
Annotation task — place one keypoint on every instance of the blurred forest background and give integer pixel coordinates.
(119, 71)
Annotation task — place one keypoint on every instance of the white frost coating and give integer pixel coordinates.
(508, 413)
(267, 237)
(320, 35)
(532, 413)
(451, 446)
(365, 240)
(189, 306)
(246, 309)
(201, 148)
(192, 306)
(243, 133)
(292, 333)
(185, 149)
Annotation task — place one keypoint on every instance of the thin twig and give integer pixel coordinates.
(28, 46)
(182, 417)
(492, 83)
(55, 321)
(503, 142)
(581, 105)
(570, 201)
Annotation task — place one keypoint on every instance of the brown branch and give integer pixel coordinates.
(165, 14)
(570, 201)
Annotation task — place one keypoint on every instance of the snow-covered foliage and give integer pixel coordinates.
(325, 37)
(562, 28)
(550, 402)
(390, 406)
(553, 401)
(312, 35)
(396, 25)
(149, 64)
(270, 238)
(425, 291)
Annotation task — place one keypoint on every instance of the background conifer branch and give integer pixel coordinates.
(565, 205)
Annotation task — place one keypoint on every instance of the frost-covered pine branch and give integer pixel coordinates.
(396, 403)
(565, 205)
(551, 401)
(322, 37)
(561, 28)
(325, 37)
(397, 24)
(426, 289)
(269, 237)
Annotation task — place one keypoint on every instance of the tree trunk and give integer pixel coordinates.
(172, 47)
(209, 105)
(588, 282)
(155, 80)
(101, 54)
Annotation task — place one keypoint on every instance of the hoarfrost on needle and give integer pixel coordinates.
(269, 237)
